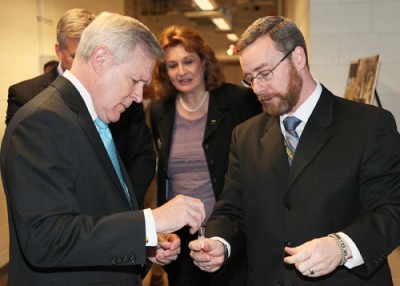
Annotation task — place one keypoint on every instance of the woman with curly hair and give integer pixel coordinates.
(192, 121)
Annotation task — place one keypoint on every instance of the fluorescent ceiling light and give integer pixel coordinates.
(232, 37)
(206, 5)
(222, 24)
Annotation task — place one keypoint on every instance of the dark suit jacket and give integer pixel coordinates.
(131, 135)
(228, 106)
(345, 177)
(70, 221)
(21, 93)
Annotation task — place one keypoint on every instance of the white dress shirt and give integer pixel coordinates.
(151, 234)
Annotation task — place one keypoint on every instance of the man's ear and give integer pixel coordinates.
(99, 58)
(299, 58)
(58, 50)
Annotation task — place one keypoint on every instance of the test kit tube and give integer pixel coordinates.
(201, 235)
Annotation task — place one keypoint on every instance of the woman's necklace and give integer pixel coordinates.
(197, 107)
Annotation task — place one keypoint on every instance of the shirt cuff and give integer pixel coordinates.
(356, 259)
(151, 234)
(223, 241)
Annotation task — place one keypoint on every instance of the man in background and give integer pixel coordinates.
(69, 30)
(131, 135)
(48, 66)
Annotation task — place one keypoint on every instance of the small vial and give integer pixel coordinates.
(201, 235)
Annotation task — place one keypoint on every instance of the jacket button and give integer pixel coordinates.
(133, 258)
(288, 243)
(113, 261)
(211, 162)
(214, 179)
(288, 206)
(206, 146)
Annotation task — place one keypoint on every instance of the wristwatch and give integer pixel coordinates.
(226, 254)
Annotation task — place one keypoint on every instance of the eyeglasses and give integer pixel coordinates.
(264, 75)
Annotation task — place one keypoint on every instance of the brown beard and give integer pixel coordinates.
(286, 101)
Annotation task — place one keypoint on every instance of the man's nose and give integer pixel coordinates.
(137, 92)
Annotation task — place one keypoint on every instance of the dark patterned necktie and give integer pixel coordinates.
(291, 136)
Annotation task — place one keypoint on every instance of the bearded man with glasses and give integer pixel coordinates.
(313, 184)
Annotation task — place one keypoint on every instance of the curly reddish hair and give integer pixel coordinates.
(191, 41)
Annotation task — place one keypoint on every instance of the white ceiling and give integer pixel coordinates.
(158, 14)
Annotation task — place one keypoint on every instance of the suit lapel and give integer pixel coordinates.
(314, 136)
(214, 116)
(274, 149)
(74, 100)
(165, 124)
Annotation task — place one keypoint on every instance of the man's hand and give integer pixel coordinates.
(208, 258)
(315, 258)
(167, 249)
(179, 212)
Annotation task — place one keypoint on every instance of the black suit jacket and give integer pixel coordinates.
(21, 93)
(131, 135)
(70, 221)
(345, 176)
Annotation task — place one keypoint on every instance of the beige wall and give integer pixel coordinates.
(27, 37)
(299, 12)
(346, 30)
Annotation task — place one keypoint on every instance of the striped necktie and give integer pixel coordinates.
(108, 142)
(291, 136)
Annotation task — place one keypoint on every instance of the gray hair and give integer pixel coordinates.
(120, 34)
(72, 24)
(285, 34)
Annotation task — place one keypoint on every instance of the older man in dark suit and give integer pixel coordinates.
(73, 216)
(131, 135)
(313, 184)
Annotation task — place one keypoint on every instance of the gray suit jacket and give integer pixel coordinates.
(345, 177)
(70, 221)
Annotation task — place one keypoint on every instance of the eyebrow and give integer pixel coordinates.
(256, 70)
(146, 82)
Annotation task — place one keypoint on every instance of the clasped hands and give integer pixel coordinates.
(314, 258)
(167, 249)
(208, 255)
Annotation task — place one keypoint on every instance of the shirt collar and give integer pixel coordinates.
(304, 111)
(59, 69)
(83, 92)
